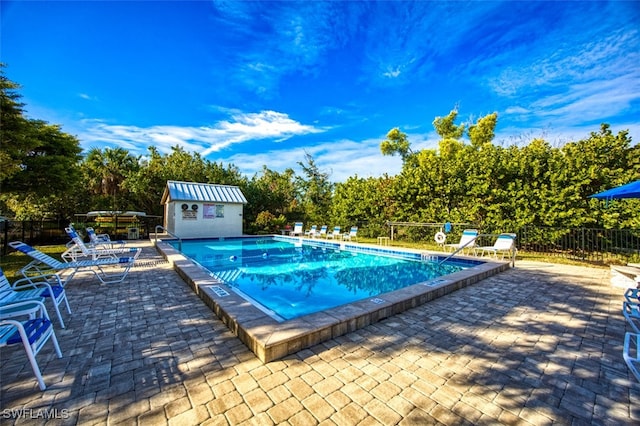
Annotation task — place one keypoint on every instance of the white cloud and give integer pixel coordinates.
(241, 127)
(341, 159)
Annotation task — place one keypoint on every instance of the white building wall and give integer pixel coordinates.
(205, 221)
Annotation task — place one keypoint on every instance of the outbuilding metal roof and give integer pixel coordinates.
(207, 192)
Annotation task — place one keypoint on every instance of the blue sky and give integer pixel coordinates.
(261, 83)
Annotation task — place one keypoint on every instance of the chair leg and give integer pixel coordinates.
(632, 356)
(29, 351)
(33, 362)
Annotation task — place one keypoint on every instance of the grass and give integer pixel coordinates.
(12, 262)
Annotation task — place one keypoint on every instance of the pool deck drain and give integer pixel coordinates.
(270, 339)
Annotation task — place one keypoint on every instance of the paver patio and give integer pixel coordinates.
(538, 344)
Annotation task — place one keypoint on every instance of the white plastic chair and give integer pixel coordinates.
(103, 240)
(297, 229)
(351, 235)
(42, 262)
(33, 332)
(322, 232)
(505, 244)
(39, 287)
(79, 250)
(467, 241)
(311, 232)
(335, 234)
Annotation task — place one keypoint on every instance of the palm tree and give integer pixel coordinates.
(105, 171)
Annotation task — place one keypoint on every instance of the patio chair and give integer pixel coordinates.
(631, 312)
(40, 287)
(33, 332)
(103, 240)
(78, 249)
(466, 243)
(632, 295)
(297, 229)
(351, 235)
(631, 353)
(506, 243)
(335, 234)
(311, 232)
(322, 232)
(42, 263)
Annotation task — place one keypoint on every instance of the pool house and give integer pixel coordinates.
(203, 210)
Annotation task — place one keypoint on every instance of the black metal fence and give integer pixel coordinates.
(592, 245)
(47, 232)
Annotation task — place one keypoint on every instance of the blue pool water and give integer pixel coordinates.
(290, 279)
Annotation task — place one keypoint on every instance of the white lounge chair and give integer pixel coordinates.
(311, 232)
(466, 243)
(33, 332)
(322, 232)
(42, 263)
(335, 234)
(351, 235)
(505, 244)
(78, 250)
(103, 240)
(631, 353)
(297, 229)
(40, 287)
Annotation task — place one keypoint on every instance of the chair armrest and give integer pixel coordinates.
(38, 281)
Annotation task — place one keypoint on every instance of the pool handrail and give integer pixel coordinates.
(462, 247)
(155, 236)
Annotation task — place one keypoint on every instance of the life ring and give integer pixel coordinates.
(440, 237)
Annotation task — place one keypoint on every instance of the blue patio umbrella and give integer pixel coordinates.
(630, 190)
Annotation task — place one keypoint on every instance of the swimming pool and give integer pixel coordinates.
(289, 279)
(271, 337)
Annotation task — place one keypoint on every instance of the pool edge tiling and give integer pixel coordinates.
(271, 340)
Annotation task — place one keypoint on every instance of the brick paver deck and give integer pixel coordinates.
(538, 344)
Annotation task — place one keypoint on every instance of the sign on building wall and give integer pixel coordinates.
(211, 211)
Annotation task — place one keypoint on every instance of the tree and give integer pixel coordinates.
(599, 162)
(148, 183)
(396, 143)
(104, 172)
(315, 191)
(359, 201)
(271, 192)
(483, 132)
(39, 161)
(13, 128)
(446, 128)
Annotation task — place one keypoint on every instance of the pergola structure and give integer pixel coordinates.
(116, 223)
